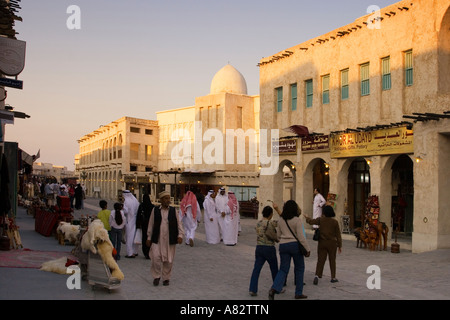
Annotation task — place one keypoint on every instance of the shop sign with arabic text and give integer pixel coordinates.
(315, 144)
(397, 140)
(285, 147)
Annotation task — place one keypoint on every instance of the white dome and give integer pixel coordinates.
(228, 79)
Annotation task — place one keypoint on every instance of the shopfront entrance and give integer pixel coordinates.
(403, 195)
(289, 177)
(321, 177)
(358, 191)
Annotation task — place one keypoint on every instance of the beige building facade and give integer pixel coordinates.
(202, 147)
(374, 96)
(49, 170)
(211, 144)
(117, 156)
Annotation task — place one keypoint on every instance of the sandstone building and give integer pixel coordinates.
(375, 98)
(117, 156)
(140, 155)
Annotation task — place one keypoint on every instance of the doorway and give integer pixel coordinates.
(288, 171)
(321, 177)
(403, 199)
(358, 191)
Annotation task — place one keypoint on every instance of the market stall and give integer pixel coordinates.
(46, 219)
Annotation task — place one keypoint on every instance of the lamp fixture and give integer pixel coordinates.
(419, 157)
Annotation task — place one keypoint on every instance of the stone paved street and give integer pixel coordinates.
(219, 272)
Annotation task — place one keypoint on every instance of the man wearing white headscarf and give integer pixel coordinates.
(130, 209)
(190, 214)
(211, 218)
(231, 221)
(221, 205)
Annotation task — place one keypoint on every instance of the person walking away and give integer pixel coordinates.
(48, 194)
(230, 227)
(117, 222)
(289, 249)
(130, 208)
(78, 196)
(55, 188)
(330, 241)
(200, 199)
(143, 216)
(165, 231)
(83, 189)
(104, 215)
(265, 249)
(318, 203)
(211, 220)
(71, 195)
(42, 189)
(190, 215)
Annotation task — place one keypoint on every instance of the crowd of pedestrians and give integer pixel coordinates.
(48, 190)
(159, 228)
(293, 245)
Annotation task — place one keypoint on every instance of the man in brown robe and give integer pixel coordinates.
(165, 230)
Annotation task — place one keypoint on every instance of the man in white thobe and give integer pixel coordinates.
(165, 230)
(231, 221)
(318, 203)
(221, 205)
(211, 218)
(190, 215)
(130, 209)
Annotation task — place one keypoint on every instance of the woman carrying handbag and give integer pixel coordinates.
(290, 235)
(330, 241)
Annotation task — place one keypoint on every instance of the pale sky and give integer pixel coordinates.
(134, 58)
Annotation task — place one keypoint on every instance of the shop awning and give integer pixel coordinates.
(190, 171)
(27, 158)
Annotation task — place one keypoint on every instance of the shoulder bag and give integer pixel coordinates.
(302, 249)
(271, 232)
(316, 235)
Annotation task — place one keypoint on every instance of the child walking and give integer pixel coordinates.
(117, 222)
(265, 249)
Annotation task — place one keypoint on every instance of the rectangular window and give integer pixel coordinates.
(326, 89)
(135, 130)
(243, 193)
(293, 96)
(344, 85)
(217, 115)
(279, 99)
(149, 131)
(239, 120)
(386, 73)
(365, 80)
(134, 151)
(210, 117)
(408, 68)
(148, 152)
(309, 93)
